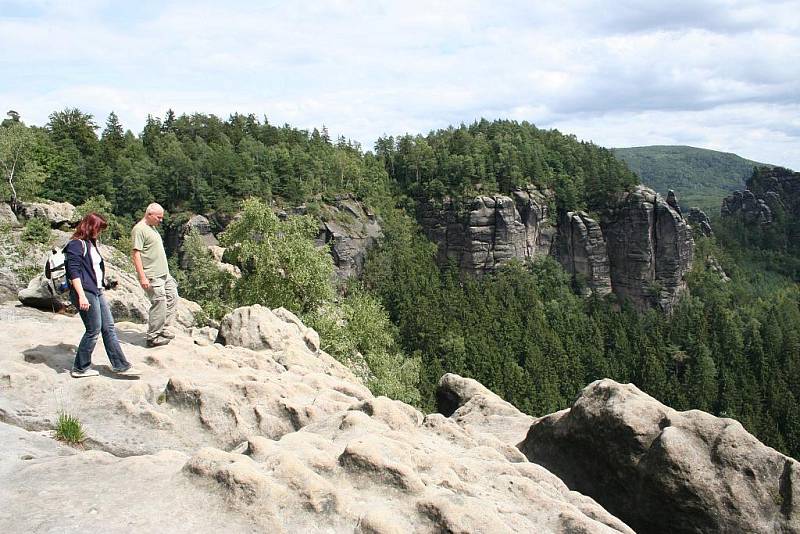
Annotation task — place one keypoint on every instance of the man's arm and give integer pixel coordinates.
(137, 262)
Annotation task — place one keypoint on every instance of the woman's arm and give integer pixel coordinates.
(83, 302)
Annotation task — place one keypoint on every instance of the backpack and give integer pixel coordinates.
(55, 270)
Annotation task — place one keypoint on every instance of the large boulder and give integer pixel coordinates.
(481, 413)
(59, 214)
(666, 471)
(7, 215)
(258, 328)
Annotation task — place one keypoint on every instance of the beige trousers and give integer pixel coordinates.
(163, 294)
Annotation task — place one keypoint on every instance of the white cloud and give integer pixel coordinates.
(719, 72)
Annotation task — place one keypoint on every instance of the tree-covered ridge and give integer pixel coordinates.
(699, 176)
(499, 156)
(196, 162)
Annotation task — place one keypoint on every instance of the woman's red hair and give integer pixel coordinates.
(90, 227)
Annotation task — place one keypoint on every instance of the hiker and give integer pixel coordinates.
(86, 274)
(150, 261)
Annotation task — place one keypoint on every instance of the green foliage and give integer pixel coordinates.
(699, 177)
(22, 175)
(37, 230)
(69, 429)
(118, 232)
(501, 156)
(358, 328)
(280, 264)
(202, 281)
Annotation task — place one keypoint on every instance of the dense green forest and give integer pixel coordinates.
(730, 347)
(700, 177)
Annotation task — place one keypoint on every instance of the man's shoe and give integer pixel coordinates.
(84, 373)
(130, 371)
(157, 342)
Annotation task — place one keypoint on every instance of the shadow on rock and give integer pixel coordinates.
(131, 337)
(57, 357)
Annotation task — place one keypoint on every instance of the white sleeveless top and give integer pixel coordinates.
(96, 259)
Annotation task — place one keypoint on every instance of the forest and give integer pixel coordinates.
(731, 348)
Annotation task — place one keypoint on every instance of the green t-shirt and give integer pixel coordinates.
(148, 242)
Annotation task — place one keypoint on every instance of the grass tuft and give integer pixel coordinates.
(69, 429)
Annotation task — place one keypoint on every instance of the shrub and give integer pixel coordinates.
(37, 230)
(281, 266)
(359, 333)
(69, 429)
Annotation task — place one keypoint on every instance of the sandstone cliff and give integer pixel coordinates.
(490, 230)
(639, 247)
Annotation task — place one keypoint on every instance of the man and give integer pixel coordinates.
(150, 261)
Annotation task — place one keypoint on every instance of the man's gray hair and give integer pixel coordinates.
(153, 207)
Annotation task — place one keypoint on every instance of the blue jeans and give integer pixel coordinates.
(97, 320)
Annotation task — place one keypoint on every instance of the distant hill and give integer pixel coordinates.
(699, 177)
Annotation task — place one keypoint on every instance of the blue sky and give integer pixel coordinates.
(715, 74)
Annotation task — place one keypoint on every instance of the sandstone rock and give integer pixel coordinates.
(581, 249)
(641, 248)
(322, 454)
(59, 214)
(202, 226)
(485, 417)
(745, 205)
(698, 219)
(650, 249)
(258, 328)
(350, 229)
(666, 471)
(39, 294)
(493, 231)
(217, 253)
(7, 216)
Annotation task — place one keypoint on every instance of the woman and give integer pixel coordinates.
(86, 273)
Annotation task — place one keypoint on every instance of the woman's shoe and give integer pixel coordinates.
(130, 371)
(83, 374)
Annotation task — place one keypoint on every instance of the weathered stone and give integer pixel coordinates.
(58, 214)
(350, 229)
(581, 249)
(259, 328)
(493, 231)
(698, 219)
(7, 215)
(321, 454)
(745, 206)
(666, 471)
(650, 249)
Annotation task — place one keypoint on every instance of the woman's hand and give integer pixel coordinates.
(83, 302)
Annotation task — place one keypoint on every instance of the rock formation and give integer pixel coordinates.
(59, 214)
(698, 219)
(650, 249)
(350, 229)
(225, 438)
(580, 247)
(491, 231)
(7, 215)
(745, 206)
(770, 191)
(666, 471)
(639, 247)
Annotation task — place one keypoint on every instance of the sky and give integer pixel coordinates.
(718, 74)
